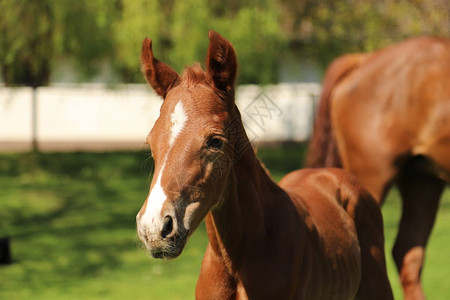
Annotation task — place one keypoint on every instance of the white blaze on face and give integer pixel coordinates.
(152, 219)
(178, 119)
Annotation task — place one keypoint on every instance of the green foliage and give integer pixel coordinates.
(189, 29)
(84, 32)
(26, 41)
(254, 30)
(94, 32)
(33, 34)
(36, 35)
(259, 47)
(136, 20)
(342, 26)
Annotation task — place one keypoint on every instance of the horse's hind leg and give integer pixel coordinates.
(420, 195)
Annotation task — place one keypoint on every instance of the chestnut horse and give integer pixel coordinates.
(318, 235)
(384, 116)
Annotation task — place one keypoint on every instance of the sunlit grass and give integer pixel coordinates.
(71, 219)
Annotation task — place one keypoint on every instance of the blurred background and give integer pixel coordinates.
(74, 113)
(52, 41)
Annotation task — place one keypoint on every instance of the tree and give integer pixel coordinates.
(259, 43)
(189, 32)
(179, 30)
(26, 41)
(84, 33)
(135, 20)
(329, 28)
(34, 34)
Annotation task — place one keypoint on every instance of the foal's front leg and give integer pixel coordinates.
(214, 281)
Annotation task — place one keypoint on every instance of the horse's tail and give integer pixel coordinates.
(322, 149)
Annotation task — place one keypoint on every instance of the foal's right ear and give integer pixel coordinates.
(221, 62)
(159, 75)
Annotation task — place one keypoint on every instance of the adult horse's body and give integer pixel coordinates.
(316, 236)
(385, 117)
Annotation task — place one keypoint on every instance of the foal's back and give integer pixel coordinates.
(346, 230)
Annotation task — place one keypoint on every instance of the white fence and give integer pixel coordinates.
(77, 117)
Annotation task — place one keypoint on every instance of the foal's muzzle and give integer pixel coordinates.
(163, 237)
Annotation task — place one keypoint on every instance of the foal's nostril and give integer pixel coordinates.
(167, 227)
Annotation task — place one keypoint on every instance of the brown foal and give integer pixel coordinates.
(317, 235)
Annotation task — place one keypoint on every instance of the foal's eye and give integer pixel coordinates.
(214, 143)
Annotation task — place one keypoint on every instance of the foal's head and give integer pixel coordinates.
(190, 144)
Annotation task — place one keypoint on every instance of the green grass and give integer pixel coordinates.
(71, 219)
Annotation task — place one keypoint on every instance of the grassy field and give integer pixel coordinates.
(71, 219)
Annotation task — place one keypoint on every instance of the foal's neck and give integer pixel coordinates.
(238, 221)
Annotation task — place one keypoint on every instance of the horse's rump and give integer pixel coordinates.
(322, 150)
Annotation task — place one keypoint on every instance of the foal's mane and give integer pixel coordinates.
(194, 75)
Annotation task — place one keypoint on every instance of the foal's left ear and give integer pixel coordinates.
(221, 63)
(159, 75)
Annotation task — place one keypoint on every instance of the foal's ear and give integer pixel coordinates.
(159, 75)
(221, 63)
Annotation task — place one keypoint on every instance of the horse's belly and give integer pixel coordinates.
(335, 277)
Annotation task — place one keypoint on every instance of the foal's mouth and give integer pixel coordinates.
(172, 247)
(166, 254)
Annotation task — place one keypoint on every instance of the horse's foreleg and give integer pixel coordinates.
(420, 195)
(214, 281)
